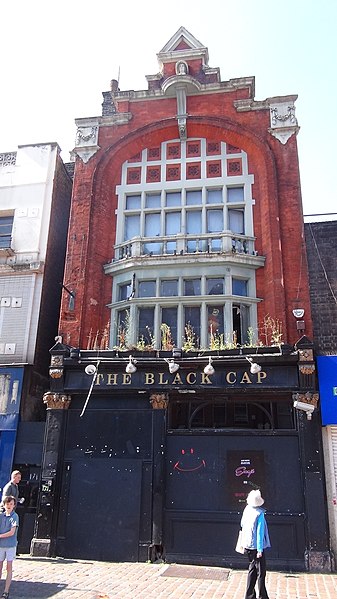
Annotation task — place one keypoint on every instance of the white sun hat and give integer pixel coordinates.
(254, 499)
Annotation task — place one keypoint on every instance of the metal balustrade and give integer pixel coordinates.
(7, 159)
(186, 244)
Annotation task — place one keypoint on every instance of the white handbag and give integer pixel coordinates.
(239, 547)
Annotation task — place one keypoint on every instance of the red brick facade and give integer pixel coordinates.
(217, 111)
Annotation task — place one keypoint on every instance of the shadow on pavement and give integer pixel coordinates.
(34, 590)
(52, 560)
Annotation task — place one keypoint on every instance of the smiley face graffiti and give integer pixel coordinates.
(189, 462)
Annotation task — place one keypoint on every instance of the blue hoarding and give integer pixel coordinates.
(11, 380)
(327, 378)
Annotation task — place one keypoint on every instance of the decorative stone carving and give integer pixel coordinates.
(306, 355)
(159, 401)
(55, 373)
(306, 359)
(86, 138)
(181, 112)
(56, 401)
(182, 128)
(277, 118)
(307, 369)
(86, 135)
(283, 122)
(57, 360)
(181, 67)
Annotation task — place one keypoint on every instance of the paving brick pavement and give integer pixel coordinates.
(59, 578)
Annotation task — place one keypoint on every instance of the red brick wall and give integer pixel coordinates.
(278, 225)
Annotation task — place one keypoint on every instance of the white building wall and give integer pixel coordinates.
(26, 189)
(329, 435)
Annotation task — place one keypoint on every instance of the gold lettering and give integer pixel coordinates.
(261, 375)
(161, 379)
(245, 378)
(177, 380)
(205, 379)
(112, 378)
(99, 378)
(149, 378)
(229, 379)
(188, 378)
(126, 379)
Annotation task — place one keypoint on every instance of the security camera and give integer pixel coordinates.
(90, 369)
(305, 407)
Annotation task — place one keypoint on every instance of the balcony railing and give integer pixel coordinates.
(8, 159)
(187, 244)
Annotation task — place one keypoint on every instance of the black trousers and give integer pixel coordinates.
(256, 574)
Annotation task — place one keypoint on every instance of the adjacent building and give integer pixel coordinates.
(184, 375)
(321, 240)
(35, 192)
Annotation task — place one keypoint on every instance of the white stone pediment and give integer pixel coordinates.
(181, 34)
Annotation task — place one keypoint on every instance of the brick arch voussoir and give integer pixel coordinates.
(261, 160)
(215, 128)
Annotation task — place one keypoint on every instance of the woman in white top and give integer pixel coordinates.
(255, 539)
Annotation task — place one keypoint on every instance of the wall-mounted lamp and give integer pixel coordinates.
(209, 368)
(254, 367)
(130, 367)
(172, 365)
(90, 369)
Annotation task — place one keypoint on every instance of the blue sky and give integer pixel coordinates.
(58, 57)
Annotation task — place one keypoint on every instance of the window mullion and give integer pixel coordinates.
(203, 325)
(156, 332)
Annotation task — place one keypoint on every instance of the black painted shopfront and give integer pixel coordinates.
(152, 464)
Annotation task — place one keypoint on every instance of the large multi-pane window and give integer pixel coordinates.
(190, 199)
(185, 310)
(152, 215)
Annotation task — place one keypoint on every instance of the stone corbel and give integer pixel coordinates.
(56, 401)
(86, 138)
(283, 122)
(181, 112)
(56, 373)
(283, 134)
(159, 401)
(182, 128)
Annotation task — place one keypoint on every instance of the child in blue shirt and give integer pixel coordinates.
(9, 522)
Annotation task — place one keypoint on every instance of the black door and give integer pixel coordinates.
(208, 477)
(105, 510)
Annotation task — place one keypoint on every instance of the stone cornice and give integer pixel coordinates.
(196, 89)
(20, 268)
(151, 262)
(120, 118)
(250, 104)
(185, 54)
